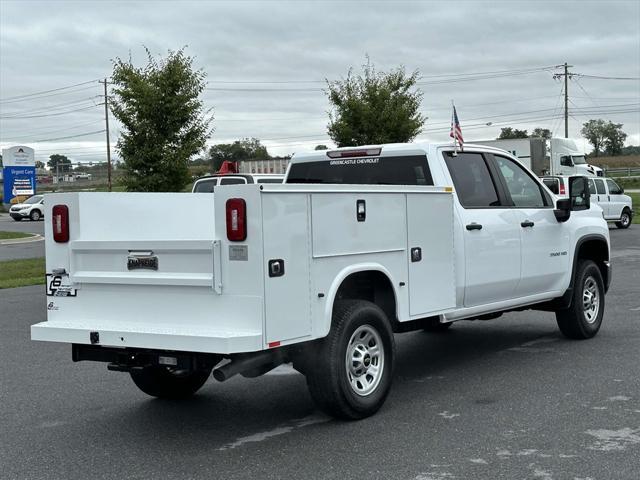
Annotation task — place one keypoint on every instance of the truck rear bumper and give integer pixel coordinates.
(186, 339)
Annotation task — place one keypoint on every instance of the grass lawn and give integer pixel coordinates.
(12, 235)
(20, 273)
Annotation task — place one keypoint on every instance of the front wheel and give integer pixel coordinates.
(625, 220)
(351, 373)
(163, 382)
(35, 215)
(584, 317)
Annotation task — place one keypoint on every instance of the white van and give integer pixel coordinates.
(616, 207)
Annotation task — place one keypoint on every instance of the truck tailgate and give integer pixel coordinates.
(143, 270)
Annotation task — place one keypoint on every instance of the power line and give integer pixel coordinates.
(46, 91)
(601, 77)
(51, 114)
(47, 108)
(69, 137)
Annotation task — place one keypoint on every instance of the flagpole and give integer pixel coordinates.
(455, 137)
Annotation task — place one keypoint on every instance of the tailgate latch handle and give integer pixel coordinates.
(361, 210)
(276, 267)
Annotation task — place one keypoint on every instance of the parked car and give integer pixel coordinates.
(207, 184)
(32, 208)
(605, 192)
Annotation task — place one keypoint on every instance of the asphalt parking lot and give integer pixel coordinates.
(509, 398)
(21, 250)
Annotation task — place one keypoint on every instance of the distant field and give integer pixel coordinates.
(616, 162)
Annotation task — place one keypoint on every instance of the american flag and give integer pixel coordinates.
(456, 131)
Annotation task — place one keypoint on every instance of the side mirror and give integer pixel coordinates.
(579, 193)
(563, 210)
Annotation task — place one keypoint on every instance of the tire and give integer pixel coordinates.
(35, 215)
(625, 219)
(583, 318)
(434, 326)
(342, 376)
(161, 382)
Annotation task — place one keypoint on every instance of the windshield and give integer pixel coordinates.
(579, 159)
(34, 199)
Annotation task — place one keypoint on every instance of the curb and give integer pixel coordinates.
(15, 241)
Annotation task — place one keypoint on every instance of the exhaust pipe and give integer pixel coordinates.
(246, 362)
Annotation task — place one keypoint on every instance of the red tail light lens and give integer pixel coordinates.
(562, 190)
(236, 220)
(60, 222)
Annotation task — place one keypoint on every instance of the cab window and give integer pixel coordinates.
(600, 187)
(205, 186)
(592, 187)
(472, 180)
(524, 190)
(232, 181)
(614, 188)
(552, 184)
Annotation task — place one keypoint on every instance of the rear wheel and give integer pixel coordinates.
(584, 317)
(350, 374)
(625, 219)
(35, 215)
(163, 382)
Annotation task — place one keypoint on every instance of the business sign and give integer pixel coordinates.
(19, 156)
(19, 183)
(19, 174)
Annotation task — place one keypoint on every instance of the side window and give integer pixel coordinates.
(614, 189)
(552, 183)
(232, 181)
(472, 180)
(600, 187)
(205, 186)
(524, 190)
(592, 187)
(566, 161)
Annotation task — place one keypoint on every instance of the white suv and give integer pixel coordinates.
(616, 207)
(32, 208)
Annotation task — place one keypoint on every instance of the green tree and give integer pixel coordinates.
(541, 133)
(243, 149)
(321, 147)
(374, 107)
(595, 131)
(614, 139)
(508, 133)
(164, 121)
(39, 164)
(59, 163)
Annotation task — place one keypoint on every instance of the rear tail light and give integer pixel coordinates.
(236, 220)
(562, 190)
(60, 222)
(367, 152)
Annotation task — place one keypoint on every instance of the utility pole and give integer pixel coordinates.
(566, 76)
(106, 121)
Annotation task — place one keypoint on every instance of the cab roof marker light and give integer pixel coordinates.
(368, 152)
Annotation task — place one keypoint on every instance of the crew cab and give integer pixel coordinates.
(605, 192)
(208, 184)
(357, 245)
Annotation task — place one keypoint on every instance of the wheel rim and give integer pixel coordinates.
(590, 300)
(364, 361)
(625, 219)
(35, 216)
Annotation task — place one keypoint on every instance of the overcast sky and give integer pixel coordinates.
(244, 45)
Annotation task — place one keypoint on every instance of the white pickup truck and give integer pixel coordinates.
(358, 244)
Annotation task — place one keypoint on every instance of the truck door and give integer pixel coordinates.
(601, 192)
(616, 200)
(544, 241)
(491, 234)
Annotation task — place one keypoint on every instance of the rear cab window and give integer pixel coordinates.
(205, 186)
(392, 170)
(232, 181)
(553, 184)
